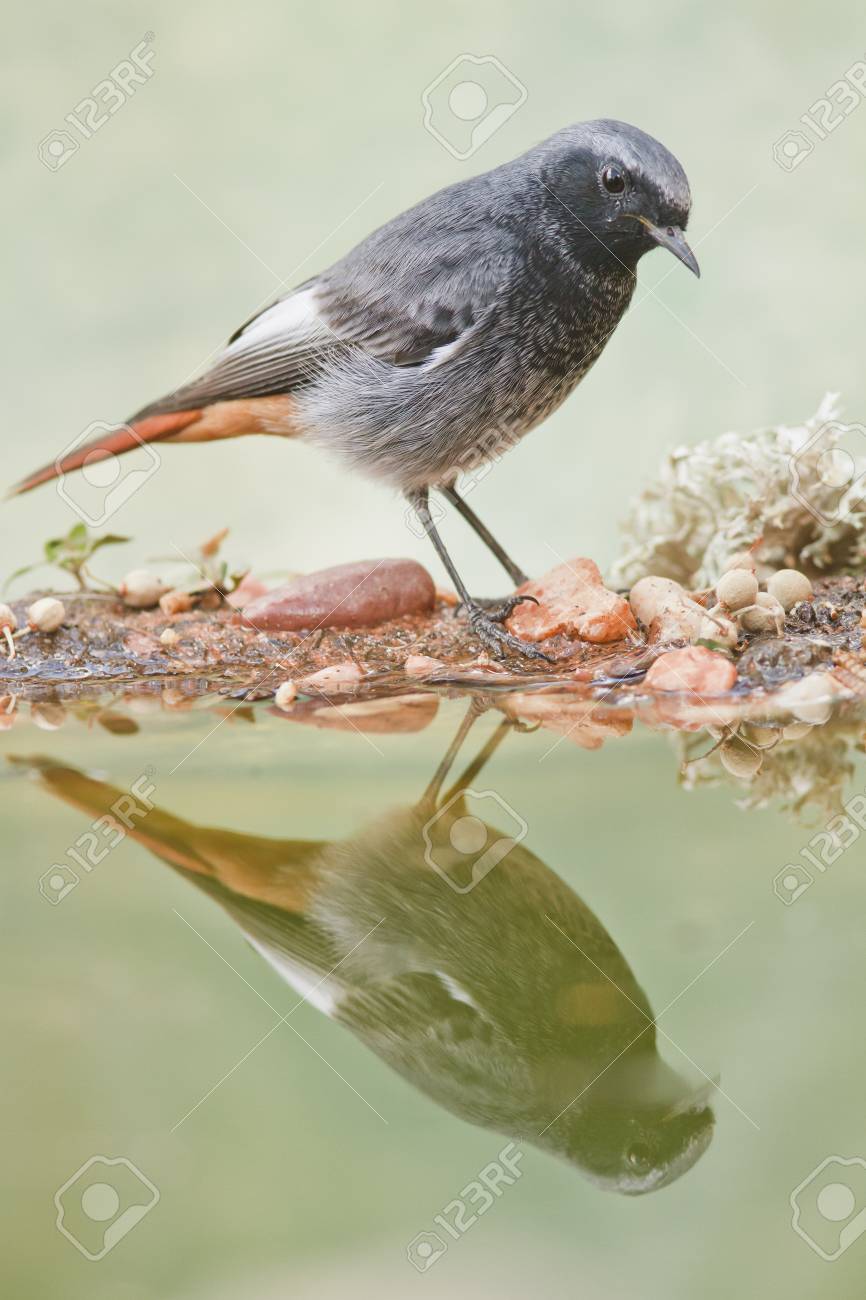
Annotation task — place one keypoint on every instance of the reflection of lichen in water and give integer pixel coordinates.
(718, 497)
(805, 774)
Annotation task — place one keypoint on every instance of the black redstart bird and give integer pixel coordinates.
(448, 333)
(476, 973)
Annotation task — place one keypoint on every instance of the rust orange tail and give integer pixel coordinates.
(151, 429)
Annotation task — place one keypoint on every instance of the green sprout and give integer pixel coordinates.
(72, 554)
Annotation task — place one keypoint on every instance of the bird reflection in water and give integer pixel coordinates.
(509, 1004)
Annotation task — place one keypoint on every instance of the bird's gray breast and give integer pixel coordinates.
(473, 399)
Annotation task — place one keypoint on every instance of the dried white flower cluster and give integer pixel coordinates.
(719, 496)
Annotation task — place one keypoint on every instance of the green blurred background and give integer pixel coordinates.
(299, 130)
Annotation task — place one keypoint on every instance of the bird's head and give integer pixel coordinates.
(636, 1148)
(615, 192)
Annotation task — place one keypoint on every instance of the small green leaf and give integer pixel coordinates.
(19, 573)
(715, 646)
(110, 539)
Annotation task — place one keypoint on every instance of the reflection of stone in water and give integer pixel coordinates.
(804, 771)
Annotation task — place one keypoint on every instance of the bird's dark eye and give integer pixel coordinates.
(640, 1157)
(613, 180)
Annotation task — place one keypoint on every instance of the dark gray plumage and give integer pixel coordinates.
(466, 319)
(448, 333)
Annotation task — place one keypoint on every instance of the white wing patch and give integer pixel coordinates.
(447, 350)
(301, 979)
(456, 991)
(294, 320)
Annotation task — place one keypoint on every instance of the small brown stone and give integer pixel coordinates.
(422, 666)
(336, 677)
(389, 716)
(247, 590)
(582, 721)
(346, 596)
(572, 600)
(175, 602)
(694, 670)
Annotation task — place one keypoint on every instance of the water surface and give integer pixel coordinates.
(560, 1032)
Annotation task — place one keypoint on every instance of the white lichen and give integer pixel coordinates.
(720, 496)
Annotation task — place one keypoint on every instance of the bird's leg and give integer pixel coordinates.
(515, 573)
(477, 706)
(480, 759)
(485, 624)
(431, 794)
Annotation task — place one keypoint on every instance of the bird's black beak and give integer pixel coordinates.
(673, 239)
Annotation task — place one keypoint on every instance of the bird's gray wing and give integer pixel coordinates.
(410, 290)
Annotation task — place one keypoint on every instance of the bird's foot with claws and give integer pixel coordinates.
(487, 626)
(495, 607)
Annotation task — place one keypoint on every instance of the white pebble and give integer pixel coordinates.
(737, 588)
(286, 695)
(810, 699)
(740, 759)
(46, 615)
(142, 589)
(767, 615)
(796, 730)
(48, 716)
(789, 586)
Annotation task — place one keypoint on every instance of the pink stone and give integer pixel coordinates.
(666, 610)
(336, 677)
(694, 670)
(581, 721)
(347, 596)
(394, 715)
(247, 590)
(422, 666)
(572, 600)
